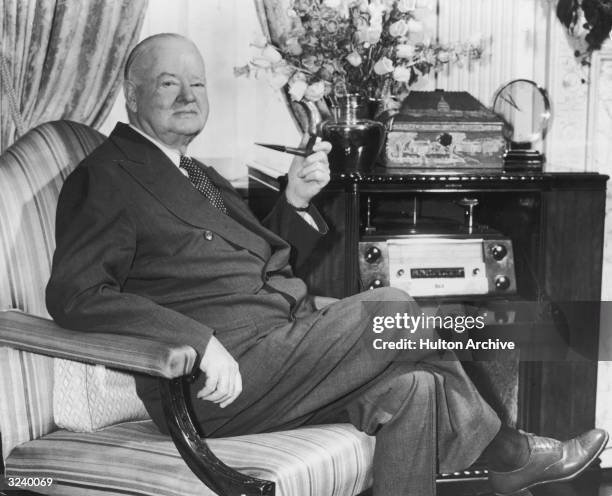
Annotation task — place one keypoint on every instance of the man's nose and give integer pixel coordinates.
(186, 94)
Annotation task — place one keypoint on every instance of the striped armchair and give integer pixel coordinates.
(129, 457)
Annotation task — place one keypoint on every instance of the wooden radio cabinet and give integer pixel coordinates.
(555, 222)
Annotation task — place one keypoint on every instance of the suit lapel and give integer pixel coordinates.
(152, 169)
(239, 210)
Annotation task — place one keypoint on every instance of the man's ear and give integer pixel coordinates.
(129, 90)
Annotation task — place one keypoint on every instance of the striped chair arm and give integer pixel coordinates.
(171, 364)
(133, 353)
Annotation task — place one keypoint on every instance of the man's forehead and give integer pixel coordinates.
(171, 57)
(178, 74)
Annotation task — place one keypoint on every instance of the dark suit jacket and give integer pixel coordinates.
(140, 251)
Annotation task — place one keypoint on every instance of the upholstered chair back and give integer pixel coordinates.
(32, 172)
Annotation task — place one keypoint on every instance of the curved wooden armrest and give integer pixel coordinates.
(133, 353)
(219, 477)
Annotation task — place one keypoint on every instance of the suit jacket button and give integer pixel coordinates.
(208, 235)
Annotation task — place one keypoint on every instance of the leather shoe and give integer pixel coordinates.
(550, 461)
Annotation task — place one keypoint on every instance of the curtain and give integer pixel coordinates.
(62, 59)
(275, 23)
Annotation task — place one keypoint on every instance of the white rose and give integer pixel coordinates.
(398, 28)
(293, 46)
(383, 66)
(414, 26)
(311, 63)
(406, 5)
(272, 55)
(401, 74)
(369, 35)
(354, 59)
(331, 26)
(332, 4)
(405, 51)
(361, 35)
(297, 76)
(278, 79)
(261, 63)
(315, 91)
(376, 15)
(297, 88)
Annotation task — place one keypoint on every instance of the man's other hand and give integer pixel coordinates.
(223, 379)
(308, 175)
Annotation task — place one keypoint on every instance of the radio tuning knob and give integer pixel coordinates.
(499, 251)
(372, 254)
(375, 284)
(502, 282)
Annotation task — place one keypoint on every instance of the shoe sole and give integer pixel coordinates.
(562, 479)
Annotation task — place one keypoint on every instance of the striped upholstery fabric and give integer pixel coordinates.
(31, 174)
(26, 397)
(27, 207)
(330, 460)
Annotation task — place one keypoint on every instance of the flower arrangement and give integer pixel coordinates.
(374, 48)
(588, 22)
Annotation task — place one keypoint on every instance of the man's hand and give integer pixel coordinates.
(308, 175)
(223, 379)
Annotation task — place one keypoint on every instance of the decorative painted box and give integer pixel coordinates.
(444, 129)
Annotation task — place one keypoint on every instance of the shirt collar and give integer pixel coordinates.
(173, 155)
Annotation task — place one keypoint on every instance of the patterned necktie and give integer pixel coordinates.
(202, 183)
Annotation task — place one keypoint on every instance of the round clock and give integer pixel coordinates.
(525, 109)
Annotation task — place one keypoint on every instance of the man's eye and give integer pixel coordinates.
(167, 84)
(199, 85)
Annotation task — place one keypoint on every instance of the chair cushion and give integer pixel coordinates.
(137, 459)
(87, 397)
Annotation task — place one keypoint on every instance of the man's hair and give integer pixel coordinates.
(142, 47)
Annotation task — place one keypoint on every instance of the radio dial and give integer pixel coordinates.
(499, 252)
(502, 282)
(375, 284)
(373, 255)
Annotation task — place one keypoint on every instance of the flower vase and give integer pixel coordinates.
(356, 140)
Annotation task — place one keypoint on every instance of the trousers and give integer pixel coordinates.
(425, 412)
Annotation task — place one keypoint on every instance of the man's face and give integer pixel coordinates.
(167, 95)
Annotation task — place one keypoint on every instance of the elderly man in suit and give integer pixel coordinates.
(154, 243)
